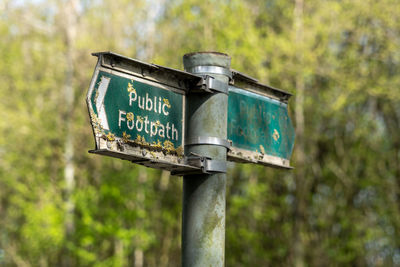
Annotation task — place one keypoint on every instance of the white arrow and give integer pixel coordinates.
(103, 86)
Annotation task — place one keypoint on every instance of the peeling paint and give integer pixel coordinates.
(275, 135)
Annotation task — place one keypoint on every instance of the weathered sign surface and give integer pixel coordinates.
(135, 110)
(135, 115)
(258, 124)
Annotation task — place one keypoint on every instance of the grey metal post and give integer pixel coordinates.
(203, 218)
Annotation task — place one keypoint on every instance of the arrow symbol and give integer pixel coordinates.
(103, 86)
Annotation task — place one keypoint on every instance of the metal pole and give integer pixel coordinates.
(203, 215)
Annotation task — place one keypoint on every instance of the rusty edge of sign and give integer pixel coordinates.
(177, 79)
(146, 157)
(246, 82)
(246, 156)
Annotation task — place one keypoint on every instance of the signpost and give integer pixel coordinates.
(190, 122)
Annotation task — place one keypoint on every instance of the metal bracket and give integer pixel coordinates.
(210, 85)
(206, 164)
(197, 164)
(207, 140)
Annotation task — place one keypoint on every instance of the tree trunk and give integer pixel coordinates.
(141, 198)
(69, 28)
(298, 249)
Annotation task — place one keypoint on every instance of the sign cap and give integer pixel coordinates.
(195, 59)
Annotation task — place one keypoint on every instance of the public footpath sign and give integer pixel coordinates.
(137, 112)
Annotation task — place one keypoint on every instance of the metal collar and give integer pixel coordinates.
(207, 140)
(210, 70)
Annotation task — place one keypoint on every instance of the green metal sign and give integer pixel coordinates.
(259, 128)
(137, 111)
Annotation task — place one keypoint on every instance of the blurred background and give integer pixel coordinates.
(340, 206)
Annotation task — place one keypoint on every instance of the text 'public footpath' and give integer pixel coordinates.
(139, 123)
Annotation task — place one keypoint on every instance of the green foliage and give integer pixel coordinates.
(339, 207)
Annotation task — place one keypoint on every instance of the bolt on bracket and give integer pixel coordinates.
(206, 164)
(211, 85)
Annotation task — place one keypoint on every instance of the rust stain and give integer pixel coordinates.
(98, 129)
(110, 137)
(169, 146)
(262, 149)
(125, 137)
(141, 140)
(157, 144)
(275, 135)
(166, 101)
(130, 88)
(96, 96)
(179, 151)
(130, 116)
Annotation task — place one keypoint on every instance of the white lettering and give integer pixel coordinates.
(153, 126)
(141, 105)
(174, 132)
(161, 131)
(120, 118)
(168, 128)
(130, 127)
(163, 109)
(146, 122)
(139, 129)
(132, 99)
(148, 101)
